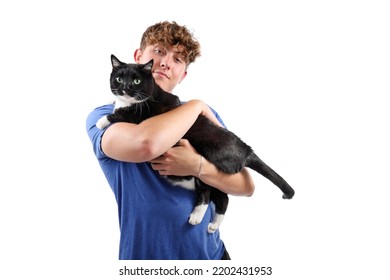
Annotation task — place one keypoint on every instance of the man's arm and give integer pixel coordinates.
(184, 160)
(151, 138)
(236, 184)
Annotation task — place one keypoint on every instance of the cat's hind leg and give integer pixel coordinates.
(197, 214)
(217, 221)
(202, 202)
(221, 201)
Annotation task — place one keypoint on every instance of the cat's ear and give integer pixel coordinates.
(148, 66)
(115, 62)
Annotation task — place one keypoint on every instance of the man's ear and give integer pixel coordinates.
(137, 55)
(183, 76)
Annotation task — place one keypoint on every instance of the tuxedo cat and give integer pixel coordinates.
(138, 97)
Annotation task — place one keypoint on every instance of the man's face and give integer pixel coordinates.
(169, 66)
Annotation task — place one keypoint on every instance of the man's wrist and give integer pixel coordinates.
(200, 166)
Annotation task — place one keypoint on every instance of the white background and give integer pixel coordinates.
(303, 82)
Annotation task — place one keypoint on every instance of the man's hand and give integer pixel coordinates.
(181, 160)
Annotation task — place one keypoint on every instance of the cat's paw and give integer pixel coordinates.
(197, 214)
(102, 122)
(195, 219)
(212, 227)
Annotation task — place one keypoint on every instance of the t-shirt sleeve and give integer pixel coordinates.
(218, 117)
(95, 134)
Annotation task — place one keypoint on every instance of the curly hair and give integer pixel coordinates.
(172, 34)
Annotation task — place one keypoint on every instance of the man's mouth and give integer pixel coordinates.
(162, 74)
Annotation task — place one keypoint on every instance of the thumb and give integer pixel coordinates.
(183, 142)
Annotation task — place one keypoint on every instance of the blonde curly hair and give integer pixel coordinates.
(172, 34)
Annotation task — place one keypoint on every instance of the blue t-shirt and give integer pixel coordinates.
(153, 215)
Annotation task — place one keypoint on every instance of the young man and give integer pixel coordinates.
(153, 215)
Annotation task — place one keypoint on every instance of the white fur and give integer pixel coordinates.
(217, 221)
(121, 101)
(197, 214)
(102, 122)
(186, 184)
(125, 101)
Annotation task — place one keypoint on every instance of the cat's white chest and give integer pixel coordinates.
(126, 101)
(186, 184)
(120, 102)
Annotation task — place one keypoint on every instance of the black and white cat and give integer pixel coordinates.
(138, 97)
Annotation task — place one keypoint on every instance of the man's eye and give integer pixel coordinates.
(119, 80)
(136, 81)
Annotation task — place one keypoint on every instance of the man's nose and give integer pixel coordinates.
(164, 63)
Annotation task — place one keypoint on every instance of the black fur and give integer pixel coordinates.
(216, 144)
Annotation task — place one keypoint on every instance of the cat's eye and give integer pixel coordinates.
(119, 80)
(136, 81)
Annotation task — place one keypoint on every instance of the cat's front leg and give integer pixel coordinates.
(102, 122)
(111, 118)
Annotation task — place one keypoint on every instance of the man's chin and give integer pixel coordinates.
(162, 84)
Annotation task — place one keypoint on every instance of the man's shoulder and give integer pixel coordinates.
(100, 111)
(106, 108)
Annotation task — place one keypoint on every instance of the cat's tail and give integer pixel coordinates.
(255, 163)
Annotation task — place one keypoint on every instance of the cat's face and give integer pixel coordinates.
(131, 83)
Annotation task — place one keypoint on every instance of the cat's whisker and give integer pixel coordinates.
(147, 105)
(139, 105)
